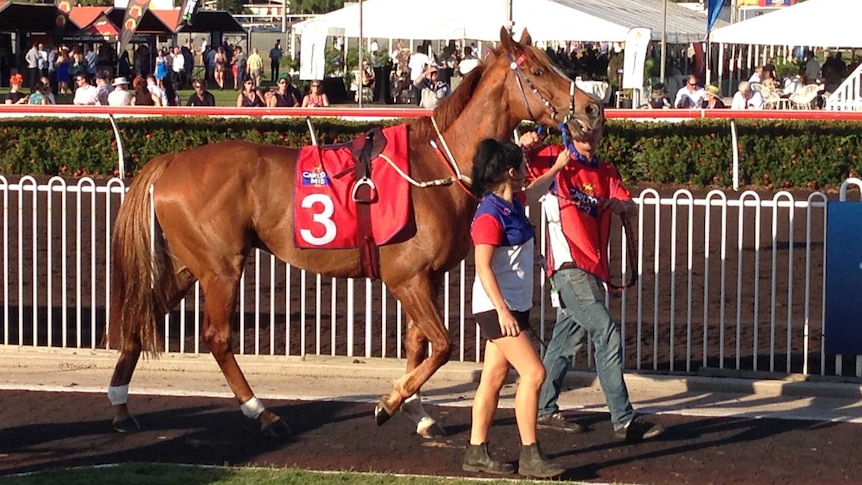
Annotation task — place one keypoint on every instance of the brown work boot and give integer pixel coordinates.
(558, 422)
(533, 463)
(476, 459)
(638, 429)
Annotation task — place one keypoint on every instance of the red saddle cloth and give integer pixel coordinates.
(325, 214)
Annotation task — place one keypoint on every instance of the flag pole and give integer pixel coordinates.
(361, 41)
(663, 41)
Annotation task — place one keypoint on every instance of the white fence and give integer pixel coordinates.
(726, 281)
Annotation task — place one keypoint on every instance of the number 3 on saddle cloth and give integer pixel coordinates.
(341, 203)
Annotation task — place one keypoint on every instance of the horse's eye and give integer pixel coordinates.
(538, 72)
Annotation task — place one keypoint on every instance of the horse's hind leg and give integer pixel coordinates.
(176, 287)
(417, 296)
(417, 350)
(220, 291)
(118, 393)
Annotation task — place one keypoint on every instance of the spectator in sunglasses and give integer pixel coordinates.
(285, 94)
(249, 97)
(689, 96)
(201, 97)
(85, 93)
(316, 97)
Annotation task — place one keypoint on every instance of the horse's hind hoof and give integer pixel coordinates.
(277, 429)
(381, 415)
(433, 432)
(126, 425)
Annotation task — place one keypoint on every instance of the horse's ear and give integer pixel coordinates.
(507, 42)
(526, 39)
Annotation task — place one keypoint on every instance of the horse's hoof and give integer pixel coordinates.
(277, 429)
(381, 415)
(433, 432)
(127, 425)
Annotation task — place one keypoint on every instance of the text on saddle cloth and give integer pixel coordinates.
(327, 189)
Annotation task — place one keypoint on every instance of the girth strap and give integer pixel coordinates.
(364, 194)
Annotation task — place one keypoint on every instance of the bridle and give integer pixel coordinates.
(522, 79)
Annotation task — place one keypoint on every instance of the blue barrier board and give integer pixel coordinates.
(843, 326)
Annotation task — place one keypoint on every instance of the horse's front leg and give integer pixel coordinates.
(418, 297)
(417, 349)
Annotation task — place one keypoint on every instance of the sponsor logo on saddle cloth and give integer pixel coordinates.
(325, 214)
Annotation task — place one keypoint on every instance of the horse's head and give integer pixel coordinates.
(541, 92)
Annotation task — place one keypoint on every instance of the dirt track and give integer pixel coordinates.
(41, 431)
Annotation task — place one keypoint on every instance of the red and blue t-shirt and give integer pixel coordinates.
(506, 226)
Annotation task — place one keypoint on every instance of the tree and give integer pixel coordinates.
(315, 6)
(232, 6)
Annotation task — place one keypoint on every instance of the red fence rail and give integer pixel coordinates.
(387, 112)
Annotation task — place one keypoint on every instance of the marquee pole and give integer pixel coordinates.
(663, 41)
(360, 47)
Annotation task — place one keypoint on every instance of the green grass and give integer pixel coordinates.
(162, 474)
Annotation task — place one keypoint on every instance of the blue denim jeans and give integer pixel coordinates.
(585, 312)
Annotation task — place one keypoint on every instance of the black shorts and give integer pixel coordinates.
(489, 323)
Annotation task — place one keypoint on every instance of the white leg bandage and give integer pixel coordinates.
(118, 395)
(252, 408)
(412, 407)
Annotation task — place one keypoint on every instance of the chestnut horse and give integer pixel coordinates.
(215, 203)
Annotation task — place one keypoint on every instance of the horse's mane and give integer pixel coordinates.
(450, 107)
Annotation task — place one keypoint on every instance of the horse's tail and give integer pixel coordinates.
(135, 269)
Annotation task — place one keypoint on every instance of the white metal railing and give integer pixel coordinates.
(848, 95)
(727, 283)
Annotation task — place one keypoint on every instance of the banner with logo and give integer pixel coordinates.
(637, 41)
(187, 12)
(764, 3)
(134, 13)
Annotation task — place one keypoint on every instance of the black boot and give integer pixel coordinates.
(534, 464)
(476, 459)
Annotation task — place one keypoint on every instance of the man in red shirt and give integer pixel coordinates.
(578, 208)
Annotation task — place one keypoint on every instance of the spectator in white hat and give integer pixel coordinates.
(120, 96)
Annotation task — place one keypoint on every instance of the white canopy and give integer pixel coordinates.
(829, 23)
(578, 20)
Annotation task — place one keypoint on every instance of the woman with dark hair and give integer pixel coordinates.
(249, 97)
(502, 297)
(171, 93)
(38, 94)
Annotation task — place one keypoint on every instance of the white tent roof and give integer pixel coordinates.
(830, 23)
(580, 20)
(684, 25)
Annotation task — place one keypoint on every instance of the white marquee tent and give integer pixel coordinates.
(827, 23)
(578, 20)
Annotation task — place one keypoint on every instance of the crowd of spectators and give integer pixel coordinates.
(153, 80)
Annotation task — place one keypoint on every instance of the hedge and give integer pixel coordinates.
(773, 154)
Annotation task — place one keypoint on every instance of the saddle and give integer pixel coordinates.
(365, 149)
(374, 141)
